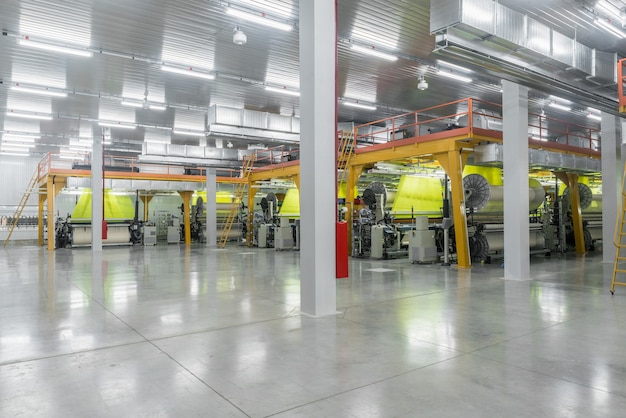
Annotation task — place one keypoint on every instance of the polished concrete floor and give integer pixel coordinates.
(177, 331)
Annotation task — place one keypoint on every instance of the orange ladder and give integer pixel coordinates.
(619, 239)
(248, 163)
(20, 207)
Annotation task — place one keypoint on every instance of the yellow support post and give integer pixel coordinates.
(250, 233)
(42, 200)
(354, 172)
(146, 203)
(186, 195)
(571, 180)
(50, 195)
(452, 162)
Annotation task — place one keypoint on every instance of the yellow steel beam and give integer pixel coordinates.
(354, 172)
(186, 195)
(571, 180)
(42, 200)
(280, 171)
(452, 163)
(250, 233)
(296, 180)
(146, 202)
(406, 150)
(50, 193)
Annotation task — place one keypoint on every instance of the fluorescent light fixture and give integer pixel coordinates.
(13, 138)
(261, 19)
(188, 71)
(538, 138)
(16, 147)
(454, 76)
(608, 27)
(283, 91)
(157, 107)
(131, 104)
(593, 110)
(559, 99)
(454, 66)
(608, 8)
(116, 125)
(374, 52)
(42, 92)
(78, 150)
(189, 133)
(359, 106)
(28, 115)
(560, 107)
(16, 154)
(55, 48)
(23, 137)
(594, 117)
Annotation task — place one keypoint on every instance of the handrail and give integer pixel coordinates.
(621, 81)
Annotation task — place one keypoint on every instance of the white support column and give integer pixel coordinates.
(515, 162)
(611, 183)
(211, 208)
(96, 194)
(317, 163)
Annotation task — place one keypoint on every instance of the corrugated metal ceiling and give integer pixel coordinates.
(132, 39)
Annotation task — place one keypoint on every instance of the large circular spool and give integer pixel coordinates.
(373, 189)
(487, 199)
(585, 194)
(477, 191)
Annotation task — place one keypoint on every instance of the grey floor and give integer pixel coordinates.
(176, 331)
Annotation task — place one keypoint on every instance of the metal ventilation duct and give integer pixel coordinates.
(491, 29)
(244, 123)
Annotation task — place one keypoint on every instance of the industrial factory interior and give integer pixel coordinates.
(315, 208)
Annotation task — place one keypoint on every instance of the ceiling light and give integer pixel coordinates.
(190, 133)
(15, 138)
(454, 76)
(188, 71)
(55, 48)
(608, 27)
(29, 115)
(117, 125)
(560, 99)
(26, 137)
(261, 18)
(560, 107)
(15, 147)
(239, 38)
(422, 84)
(283, 91)
(43, 92)
(131, 104)
(157, 107)
(594, 117)
(359, 105)
(374, 52)
(16, 154)
(454, 66)
(608, 8)
(592, 110)
(538, 138)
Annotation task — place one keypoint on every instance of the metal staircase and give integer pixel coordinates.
(20, 207)
(248, 163)
(619, 239)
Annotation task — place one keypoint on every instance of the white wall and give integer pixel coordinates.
(15, 173)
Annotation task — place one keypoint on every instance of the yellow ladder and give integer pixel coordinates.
(22, 205)
(248, 163)
(619, 239)
(345, 150)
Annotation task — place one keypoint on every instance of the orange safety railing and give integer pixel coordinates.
(408, 124)
(128, 165)
(621, 84)
(551, 132)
